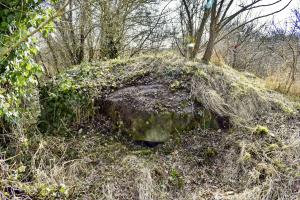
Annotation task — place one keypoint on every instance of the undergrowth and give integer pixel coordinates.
(80, 156)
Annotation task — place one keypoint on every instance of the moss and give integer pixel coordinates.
(265, 170)
(176, 179)
(288, 110)
(297, 106)
(184, 104)
(160, 107)
(280, 165)
(175, 85)
(285, 108)
(207, 120)
(210, 152)
(119, 62)
(159, 127)
(247, 157)
(261, 130)
(201, 73)
(152, 128)
(45, 191)
(273, 147)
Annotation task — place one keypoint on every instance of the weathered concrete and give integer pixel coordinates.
(153, 112)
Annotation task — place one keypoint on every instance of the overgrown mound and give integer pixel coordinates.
(84, 155)
(230, 96)
(242, 97)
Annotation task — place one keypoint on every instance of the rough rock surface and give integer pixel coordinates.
(153, 112)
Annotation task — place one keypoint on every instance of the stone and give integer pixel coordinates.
(153, 113)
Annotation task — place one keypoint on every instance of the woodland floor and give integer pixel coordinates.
(199, 164)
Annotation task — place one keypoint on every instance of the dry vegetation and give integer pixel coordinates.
(212, 57)
(258, 158)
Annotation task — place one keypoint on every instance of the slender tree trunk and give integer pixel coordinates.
(199, 34)
(210, 46)
(84, 24)
(55, 59)
(80, 50)
(213, 34)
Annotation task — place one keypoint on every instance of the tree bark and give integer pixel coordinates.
(210, 46)
(199, 34)
(81, 50)
(213, 34)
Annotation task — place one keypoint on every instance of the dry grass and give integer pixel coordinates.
(279, 81)
(98, 164)
(240, 96)
(218, 58)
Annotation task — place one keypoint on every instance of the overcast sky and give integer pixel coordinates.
(285, 14)
(278, 18)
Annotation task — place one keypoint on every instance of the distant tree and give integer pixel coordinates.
(284, 41)
(92, 30)
(223, 12)
(194, 15)
(296, 20)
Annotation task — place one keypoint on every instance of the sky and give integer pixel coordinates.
(278, 18)
(283, 15)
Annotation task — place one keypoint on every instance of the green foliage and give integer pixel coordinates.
(273, 147)
(176, 178)
(62, 105)
(261, 130)
(210, 152)
(18, 71)
(246, 157)
(175, 85)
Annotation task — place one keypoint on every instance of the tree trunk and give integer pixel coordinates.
(80, 52)
(213, 34)
(54, 57)
(210, 46)
(199, 34)
(83, 20)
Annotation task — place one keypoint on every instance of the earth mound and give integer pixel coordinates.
(154, 96)
(255, 159)
(153, 112)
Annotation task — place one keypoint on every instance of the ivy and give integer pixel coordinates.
(18, 71)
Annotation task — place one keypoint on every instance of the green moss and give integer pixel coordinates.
(176, 179)
(210, 152)
(280, 165)
(261, 130)
(297, 106)
(160, 107)
(201, 73)
(46, 191)
(273, 147)
(247, 157)
(288, 110)
(161, 126)
(207, 120)
(175, 85)
(285, 108)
